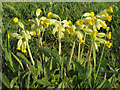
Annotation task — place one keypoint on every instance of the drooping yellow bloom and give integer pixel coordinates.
(107, 28)
(91, 21)
(42, 22)
(39, 10)
(46, 24)
(71, 30)
(108, 44)
(15, 20)
(49, 14)
(110, 9)
(24, 51)
(8, 36)
(94, 33)
(108, 35)
(81, 41)
(34, 33)
(29, 21)
(79, 22)
(92, 14)
(70, 23)
(106, 14)
(109, 18)
(53, 33)
(57, 30)
(18, 48)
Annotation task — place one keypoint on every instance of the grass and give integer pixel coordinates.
(53, 72)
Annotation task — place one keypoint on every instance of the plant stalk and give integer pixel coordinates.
(72, 53)
(30, 54)
(79, 52)
(83, 46)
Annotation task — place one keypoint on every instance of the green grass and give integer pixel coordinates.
(50, 73)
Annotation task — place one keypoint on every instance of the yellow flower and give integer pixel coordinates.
(70, 23)
(57, 30)
(109, 18)
(81, 41)
(29, 21)
(39, 10)
(107, 28)
(79, 22)
(42, 22)
(106, 14)
(71, 30)
(15, 20)
(24, 51)
(108, 35)
(94, 33)
(49, 14)
(53, 33)
(34, 33)
(108, 44)
(18, 48)
(92, 14)
(91, 21)
(8, 36)
(110, 9)
(46, 24)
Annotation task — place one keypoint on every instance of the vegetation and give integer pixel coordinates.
(60, 45)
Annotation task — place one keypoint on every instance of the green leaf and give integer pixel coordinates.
(5, 80)
(23, 57)
(43, 81)
(51, 63)
(13, 81)
(18, 60)
(103, 82)
(8, 58)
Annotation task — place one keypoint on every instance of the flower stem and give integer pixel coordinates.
(90, 54)
(79, 52)
(30, 54)
(83, 46)
(72, 53)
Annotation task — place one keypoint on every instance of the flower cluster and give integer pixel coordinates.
(88, 24)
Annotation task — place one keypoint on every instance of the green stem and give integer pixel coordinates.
(79, 52)
(59, 37)
(100, 61)
(72, 53)
(30, 54)
(94, 57)
(83, 46)
(90, 54)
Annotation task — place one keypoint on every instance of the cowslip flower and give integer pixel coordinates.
(91, 21)
(71, 30)
(94, 33)
(109, 18)
(108, 44)
(108, 35)
(18, 48)
(70, 23)
(46, 24)
(107, 28)
(49, 14)
(39, 10)
(92, 14)
(8, 36)
(106, 14)
(81, 41)
(110, 9)
(24, 51)
(15, 20)
(79, 22)
(29, 21)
